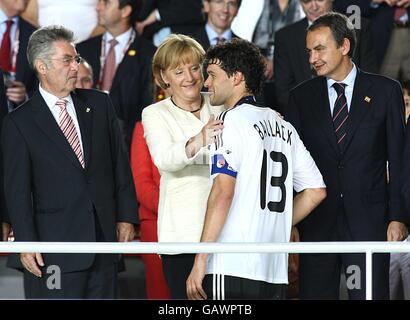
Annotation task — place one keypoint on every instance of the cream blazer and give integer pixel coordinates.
(185, 183)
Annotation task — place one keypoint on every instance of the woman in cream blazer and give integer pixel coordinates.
(178, 131)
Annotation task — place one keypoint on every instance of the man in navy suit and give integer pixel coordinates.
(22, 80)
(352, 122)
(132, 86)
(66, 174)
(291, 60)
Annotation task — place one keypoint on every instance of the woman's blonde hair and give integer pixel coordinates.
(175, 50)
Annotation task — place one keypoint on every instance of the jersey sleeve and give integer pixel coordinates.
(225, 153)
(305, 172)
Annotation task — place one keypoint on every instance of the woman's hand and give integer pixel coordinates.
(205, 137)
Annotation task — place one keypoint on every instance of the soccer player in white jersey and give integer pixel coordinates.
(256, 163)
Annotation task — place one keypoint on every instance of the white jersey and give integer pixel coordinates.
(269, 160)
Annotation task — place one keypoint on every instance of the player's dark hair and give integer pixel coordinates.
(239, 56)
(340, 26)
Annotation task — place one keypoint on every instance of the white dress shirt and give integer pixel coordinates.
(51, 100)
(349, 81)
(122, 39)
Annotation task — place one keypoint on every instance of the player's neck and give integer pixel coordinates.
(233, 100)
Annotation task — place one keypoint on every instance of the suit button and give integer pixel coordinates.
(340, 166)
(341, 195)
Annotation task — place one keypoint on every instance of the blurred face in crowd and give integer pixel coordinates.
(84, 77)
(185, 81)
(219, 85)
(13, 8)
(221, 13)
(109, 13)
(315, 8)
(324, 55)
(58, 73)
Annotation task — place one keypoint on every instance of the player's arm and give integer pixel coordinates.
(219, 202)
(305, 202)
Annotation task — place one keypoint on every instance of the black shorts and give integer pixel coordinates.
(222, 287)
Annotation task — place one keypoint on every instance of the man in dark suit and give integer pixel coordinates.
(130, 87)
(352, 122)
(66, 174)
(180, 16)
(291, 61)
(21, 78)
(4, 227)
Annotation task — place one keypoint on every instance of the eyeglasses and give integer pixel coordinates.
(230, 4)
(68, 60)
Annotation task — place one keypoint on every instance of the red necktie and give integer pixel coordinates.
(109, 67)
(398, 13)
(66, 124)
(5, 50)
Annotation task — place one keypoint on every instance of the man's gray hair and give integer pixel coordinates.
(41, 42)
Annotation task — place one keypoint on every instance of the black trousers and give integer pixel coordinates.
(97, 282)
(222, 287)
(319, 274)
(176, 270)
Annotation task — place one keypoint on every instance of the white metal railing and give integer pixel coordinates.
(160, 248)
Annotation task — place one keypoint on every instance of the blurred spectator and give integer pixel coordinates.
(258, 21)
(220, 14)
(159, 18)
(146, 180)
(292, 62)
(121, 61)
(79, 16)
(20, 79)
(390, 32)
(4, 226)
(400, 261)
(84, 76)
(178, 131)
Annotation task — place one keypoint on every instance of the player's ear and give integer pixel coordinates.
(238, 77)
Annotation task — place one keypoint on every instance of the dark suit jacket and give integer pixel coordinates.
(3, 112)
(381, 23)
(132, 88)
(356, 177)
(50, 197)
(180, 15)
(292, 62)
(23, 71)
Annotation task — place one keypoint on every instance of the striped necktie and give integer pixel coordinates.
(66, 124)
(340, 114)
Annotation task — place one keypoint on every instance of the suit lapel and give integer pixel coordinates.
(359, 106)
(84, 115)
(124, 66)
(46, 122)
(322, 112)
